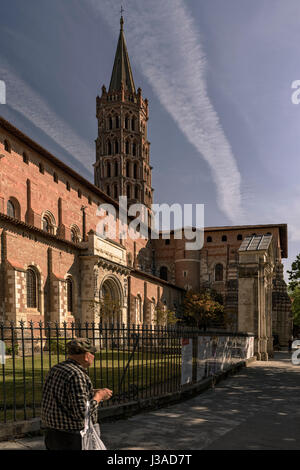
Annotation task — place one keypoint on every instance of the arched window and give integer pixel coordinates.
(11, 209)
(239, 237)
(136, 192)
(126, 122)
(135, 171)
(31, 287)
(224, 238)
(117, 122)
(108, 170)
(133, 123)
(152, 310)
(108, 190)
(127, 147)
(48, 222)
(110, 123)
(209, 239)
(75, 234)
(70, 295)
(134, 149)
(109, 149)
(128, 191)
(116, 146)
(127, 169)
(25, 158)
(163, 273)
(116, 169)
(115, 191)
(219, 272)
(139, 309)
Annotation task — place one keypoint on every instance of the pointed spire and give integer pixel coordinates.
(122, 72)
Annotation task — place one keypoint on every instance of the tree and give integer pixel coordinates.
(295, 298)
(164, 316)
(294, 274)
(201, 308)
(294, 290)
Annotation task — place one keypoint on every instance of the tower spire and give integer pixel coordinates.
(121, 19)
(122, 72)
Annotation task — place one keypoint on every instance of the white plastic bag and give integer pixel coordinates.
(90, 435)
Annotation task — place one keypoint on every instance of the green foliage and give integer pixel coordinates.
(295, 298)
(165, 316)
(202, 308)
(57, 345)
(294, 274)
(294, 290)
(10, 349)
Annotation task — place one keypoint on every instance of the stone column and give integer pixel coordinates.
(254, 307)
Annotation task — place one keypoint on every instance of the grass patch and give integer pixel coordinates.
(148, 374)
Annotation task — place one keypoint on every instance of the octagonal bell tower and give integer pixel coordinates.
(122, 165)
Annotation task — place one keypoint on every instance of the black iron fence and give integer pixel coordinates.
(136, 361)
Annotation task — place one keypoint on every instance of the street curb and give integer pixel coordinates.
(32, 427)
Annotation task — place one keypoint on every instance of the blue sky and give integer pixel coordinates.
(218, 75)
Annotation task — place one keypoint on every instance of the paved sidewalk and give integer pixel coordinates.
(258, 408)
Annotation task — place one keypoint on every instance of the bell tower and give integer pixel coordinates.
(122, 165)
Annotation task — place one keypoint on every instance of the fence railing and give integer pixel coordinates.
(136, 361)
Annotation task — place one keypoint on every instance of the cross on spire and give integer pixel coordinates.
(121, 19)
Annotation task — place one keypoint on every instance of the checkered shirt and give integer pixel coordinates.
(65, 393)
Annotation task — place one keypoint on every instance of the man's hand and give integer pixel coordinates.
(102, 394)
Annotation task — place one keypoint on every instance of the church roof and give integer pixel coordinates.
(122, 72)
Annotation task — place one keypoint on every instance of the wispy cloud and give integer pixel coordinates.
(165, 45)
(22, 98)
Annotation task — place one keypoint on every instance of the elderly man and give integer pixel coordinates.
(66, 390)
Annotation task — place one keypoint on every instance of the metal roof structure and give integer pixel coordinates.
(256, 243)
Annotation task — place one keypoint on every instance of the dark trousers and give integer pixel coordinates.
(62, 440)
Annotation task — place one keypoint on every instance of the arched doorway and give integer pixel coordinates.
(111, 301)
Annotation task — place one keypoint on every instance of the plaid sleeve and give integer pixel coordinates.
(79, 394)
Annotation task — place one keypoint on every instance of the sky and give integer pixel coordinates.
(218, 75)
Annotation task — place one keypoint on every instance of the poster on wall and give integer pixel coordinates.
(204, 354)
(224, 355)
(186, 361)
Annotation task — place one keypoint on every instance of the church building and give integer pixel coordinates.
(55, 266)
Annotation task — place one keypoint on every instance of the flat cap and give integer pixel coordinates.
(80, 346)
